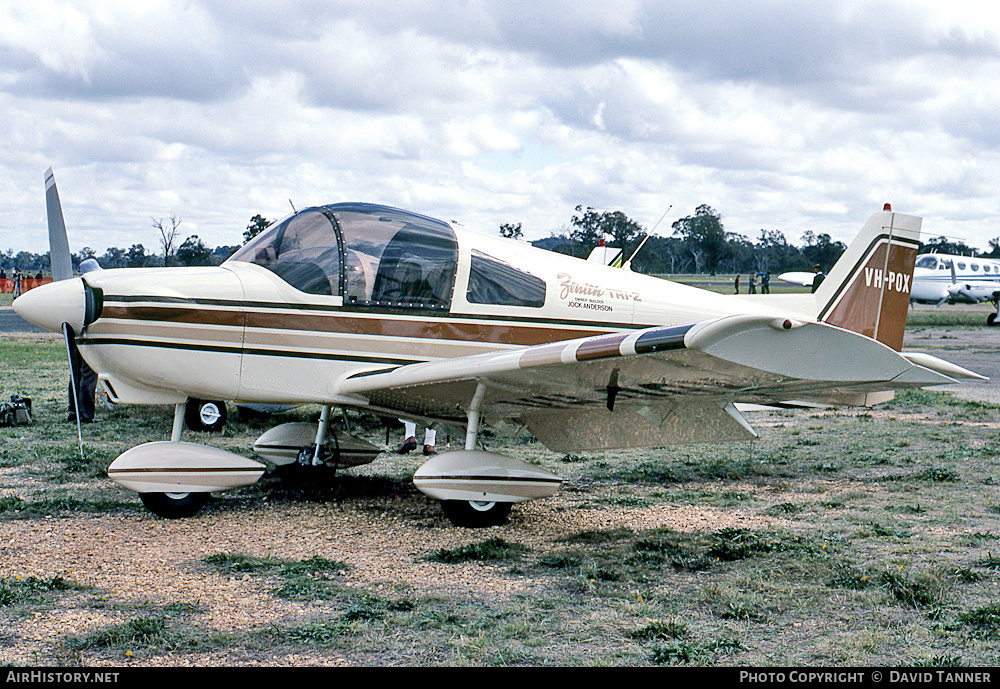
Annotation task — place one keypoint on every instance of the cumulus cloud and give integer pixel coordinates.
(785, 115)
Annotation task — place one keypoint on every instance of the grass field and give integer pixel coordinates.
(874, 540)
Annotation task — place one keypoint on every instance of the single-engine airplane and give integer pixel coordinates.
(374, 307)
(949, 279)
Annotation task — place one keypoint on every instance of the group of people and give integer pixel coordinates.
(16, 281)
(765, 283)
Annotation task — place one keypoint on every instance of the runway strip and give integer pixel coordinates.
(977, 349)
(10, 322)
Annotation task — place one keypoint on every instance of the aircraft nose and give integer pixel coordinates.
(49, 306)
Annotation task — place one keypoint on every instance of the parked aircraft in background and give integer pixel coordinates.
(798, 278)
(946, 278)
(367, 306)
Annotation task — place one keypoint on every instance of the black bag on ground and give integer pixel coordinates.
(17, 412)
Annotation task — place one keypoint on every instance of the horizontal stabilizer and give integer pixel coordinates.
(941, 366)
(796, 349)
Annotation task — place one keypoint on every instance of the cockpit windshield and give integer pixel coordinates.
(303, 250)
(370, 255)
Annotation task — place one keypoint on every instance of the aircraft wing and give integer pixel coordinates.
(657, 386)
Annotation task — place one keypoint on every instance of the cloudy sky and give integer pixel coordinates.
(782, 115)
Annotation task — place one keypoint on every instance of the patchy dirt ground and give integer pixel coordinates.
(137, 558)
(976, 349)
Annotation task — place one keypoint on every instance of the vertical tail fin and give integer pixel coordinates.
(868, 290)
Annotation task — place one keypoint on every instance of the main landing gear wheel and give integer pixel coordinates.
(205, 415)
(475, 514)
(991, 319)
(174, 505)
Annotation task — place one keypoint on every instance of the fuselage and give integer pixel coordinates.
(339, 289)
(935, 277)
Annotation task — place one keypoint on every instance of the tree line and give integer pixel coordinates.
(190, 252)
(699, 243)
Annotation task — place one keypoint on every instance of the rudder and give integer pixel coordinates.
(868, 289)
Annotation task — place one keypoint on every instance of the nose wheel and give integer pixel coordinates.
(205, 415)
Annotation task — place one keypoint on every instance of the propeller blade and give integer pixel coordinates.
(74, 378)
(62, 265)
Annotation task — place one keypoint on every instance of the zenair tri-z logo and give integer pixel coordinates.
(891, 280)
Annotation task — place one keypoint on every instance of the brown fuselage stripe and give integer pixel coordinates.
(173, 314)
(416, 327)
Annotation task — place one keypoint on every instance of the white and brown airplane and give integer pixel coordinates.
(405, 316)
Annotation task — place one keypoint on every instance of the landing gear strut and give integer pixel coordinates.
(179, 505)
(475, 514)
(477, 488)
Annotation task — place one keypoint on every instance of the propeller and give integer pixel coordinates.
(62, 269)
(951, 289)
(62, 265)
(74, 371)
(960, 291)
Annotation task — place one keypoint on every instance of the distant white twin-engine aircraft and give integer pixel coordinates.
(946, 278)
(367, 306)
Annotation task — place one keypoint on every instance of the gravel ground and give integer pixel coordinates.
(138, 558)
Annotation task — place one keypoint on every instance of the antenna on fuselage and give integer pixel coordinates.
(627, 265)
(294, 210)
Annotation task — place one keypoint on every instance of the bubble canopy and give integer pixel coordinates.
(368, 254)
